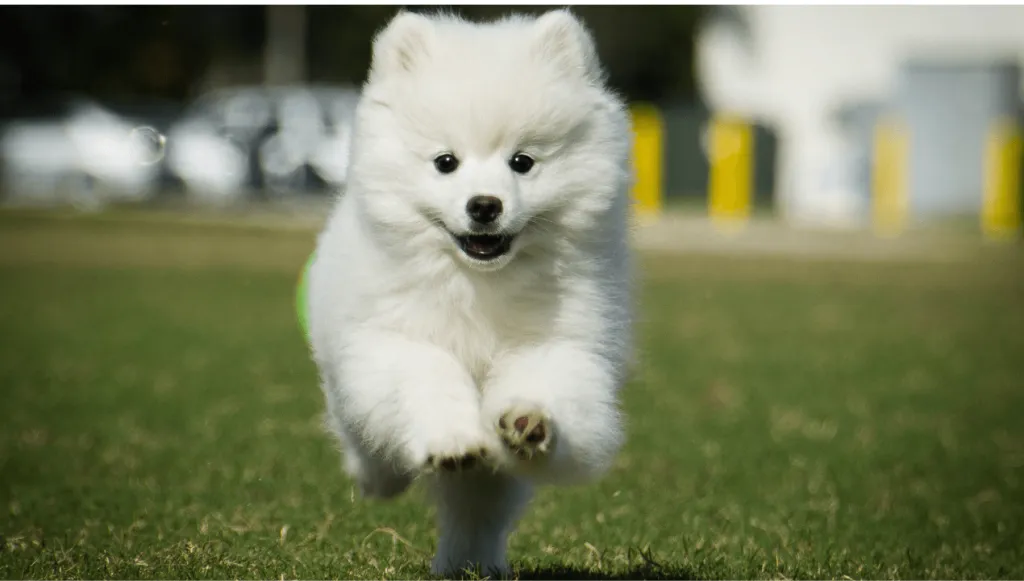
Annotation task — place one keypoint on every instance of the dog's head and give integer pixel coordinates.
(484, 140)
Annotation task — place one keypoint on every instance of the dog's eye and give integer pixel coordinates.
(521, 163)
(446, 163)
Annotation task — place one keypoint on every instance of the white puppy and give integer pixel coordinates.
(470, 301)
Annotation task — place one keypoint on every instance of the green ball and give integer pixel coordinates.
(301, 293)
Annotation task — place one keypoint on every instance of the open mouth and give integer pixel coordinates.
(485, 246)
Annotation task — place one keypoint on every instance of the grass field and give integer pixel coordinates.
(160, 419)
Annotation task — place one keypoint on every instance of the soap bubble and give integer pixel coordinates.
(148, 145)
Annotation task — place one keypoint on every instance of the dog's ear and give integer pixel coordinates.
(401, 44)
(564, 41)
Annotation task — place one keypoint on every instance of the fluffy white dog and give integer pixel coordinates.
(470, 301)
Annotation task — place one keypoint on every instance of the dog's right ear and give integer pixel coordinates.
(401, 44)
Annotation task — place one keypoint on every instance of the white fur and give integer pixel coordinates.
(421, 349)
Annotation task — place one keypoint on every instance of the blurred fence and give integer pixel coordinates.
(947, 146)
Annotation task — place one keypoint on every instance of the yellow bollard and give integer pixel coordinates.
(1001, 201)
(889, 178)
(648, 144)
(730, 182)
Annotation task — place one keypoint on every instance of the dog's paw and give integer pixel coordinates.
(452, 447)
(526, 432)
(446, 462)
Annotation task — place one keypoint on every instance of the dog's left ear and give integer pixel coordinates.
(562, 39)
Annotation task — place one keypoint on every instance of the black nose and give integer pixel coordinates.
(483, 209)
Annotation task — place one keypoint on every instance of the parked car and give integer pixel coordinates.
(71, 148)
(268, 141)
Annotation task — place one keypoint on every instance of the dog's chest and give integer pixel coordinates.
(473, 324)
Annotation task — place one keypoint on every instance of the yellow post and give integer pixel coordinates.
(889, 178)
(648, 143)
(730, 181)
(1001, 203)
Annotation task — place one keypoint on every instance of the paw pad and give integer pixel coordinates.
(465, 461)
(525, 432)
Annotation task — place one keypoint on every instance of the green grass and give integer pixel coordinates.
(161, 419)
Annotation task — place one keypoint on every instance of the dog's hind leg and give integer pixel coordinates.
(476, 510)
(375, 477)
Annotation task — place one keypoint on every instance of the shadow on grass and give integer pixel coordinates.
(647, 569)
(636, 572)
(640, 564)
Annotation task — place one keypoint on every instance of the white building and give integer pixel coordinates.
(794, 67)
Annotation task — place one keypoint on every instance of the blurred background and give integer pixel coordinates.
(829, 380)
(236, 104)
(823, 116)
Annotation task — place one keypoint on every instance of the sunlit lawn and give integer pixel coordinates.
(161, 419)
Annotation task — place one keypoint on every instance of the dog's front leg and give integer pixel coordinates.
(555, 407)
(410, 403)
